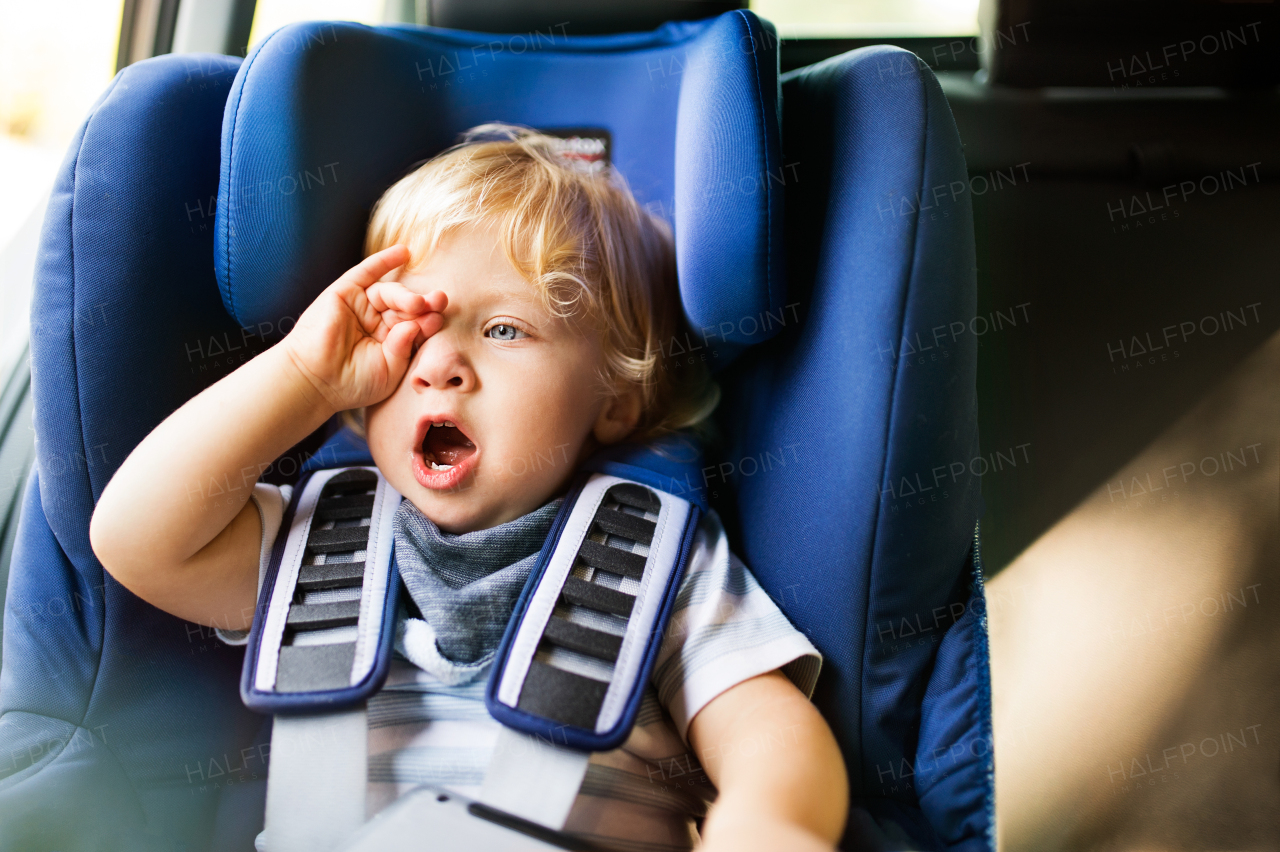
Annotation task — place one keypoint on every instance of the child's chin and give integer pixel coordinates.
(451, 520)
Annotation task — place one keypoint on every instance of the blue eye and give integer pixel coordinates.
(504, 331)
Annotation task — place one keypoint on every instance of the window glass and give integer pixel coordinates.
(56, 57)
(271, 15)
(869, 18)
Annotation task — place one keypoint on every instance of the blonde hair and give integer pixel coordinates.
(583, 242)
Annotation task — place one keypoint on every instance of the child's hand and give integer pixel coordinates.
(355, 341)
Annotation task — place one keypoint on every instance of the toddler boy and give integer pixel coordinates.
(512, 308)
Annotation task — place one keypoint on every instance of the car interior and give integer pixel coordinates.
(983, 286)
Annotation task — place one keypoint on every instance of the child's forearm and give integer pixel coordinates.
(742, 826)
(777, 767)
(172, 525)
(187, 480)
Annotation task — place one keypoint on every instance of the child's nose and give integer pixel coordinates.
(442, 365)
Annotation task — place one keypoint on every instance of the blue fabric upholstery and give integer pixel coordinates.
(327, 116)
(116, 720)
(845, 471)
(843, 431)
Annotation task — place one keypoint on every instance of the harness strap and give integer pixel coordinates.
(533, 779)
(321, 643)
(316, 789)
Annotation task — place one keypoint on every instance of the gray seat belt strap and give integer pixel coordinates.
(533, 779)
(316, 791)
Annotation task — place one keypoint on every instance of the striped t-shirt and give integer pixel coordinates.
(643, 795)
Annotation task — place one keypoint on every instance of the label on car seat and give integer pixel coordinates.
(588, 146)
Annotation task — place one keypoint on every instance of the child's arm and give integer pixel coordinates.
(174, 524)
(793, 796)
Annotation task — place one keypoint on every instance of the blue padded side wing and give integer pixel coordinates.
(917, 699)
(843, 430)
(956, 739)
(728, 157)
(114, 701)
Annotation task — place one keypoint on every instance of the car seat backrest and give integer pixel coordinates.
(836, 429)
(881, 257)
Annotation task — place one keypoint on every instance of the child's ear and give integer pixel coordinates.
(619, 416)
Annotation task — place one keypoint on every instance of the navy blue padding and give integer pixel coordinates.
(956, 737)
(343, 449)
(672, 464)
(844, 445)
(120, 726)
(324, 117)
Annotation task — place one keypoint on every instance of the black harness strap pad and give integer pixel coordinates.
(587, 628)
(321, 638)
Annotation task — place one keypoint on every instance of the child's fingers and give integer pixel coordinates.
(396, 304)
(433, 320)
(399, 345)
(388, 320)
(387, 296)
(437, 300)
(429, 324)
(370, 270)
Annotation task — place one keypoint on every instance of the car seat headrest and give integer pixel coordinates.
(570, 17)
(323, 117)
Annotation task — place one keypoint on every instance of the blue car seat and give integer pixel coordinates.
(825, 249)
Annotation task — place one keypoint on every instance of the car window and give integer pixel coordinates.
(862, 18)
(55, 59)
(271, 15)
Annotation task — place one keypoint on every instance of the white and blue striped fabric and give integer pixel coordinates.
(644, 795)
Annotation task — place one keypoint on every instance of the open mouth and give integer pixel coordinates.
(446, 455)
(445, 445)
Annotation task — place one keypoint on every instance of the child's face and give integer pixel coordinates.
(520, 386)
